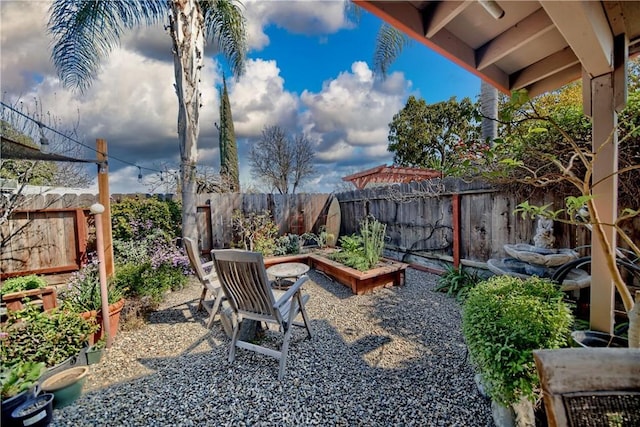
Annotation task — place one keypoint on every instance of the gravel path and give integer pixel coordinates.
(392, 357)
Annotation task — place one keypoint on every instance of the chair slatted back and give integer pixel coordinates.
(193, 253)
(244, 280)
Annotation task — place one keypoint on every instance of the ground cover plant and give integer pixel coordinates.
(457, 282)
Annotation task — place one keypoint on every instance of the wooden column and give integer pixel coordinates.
(104, 197)
(605, 144)
(455, 204)
(607, 96)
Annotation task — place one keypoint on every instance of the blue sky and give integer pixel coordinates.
(308, 71)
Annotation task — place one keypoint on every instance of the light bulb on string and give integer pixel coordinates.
(44, 142)
(139, 174)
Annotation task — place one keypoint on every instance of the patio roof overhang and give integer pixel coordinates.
(540, 46)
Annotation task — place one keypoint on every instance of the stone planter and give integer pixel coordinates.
(114, 320)
(66, 386)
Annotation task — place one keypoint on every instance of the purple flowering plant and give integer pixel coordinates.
(82, 292)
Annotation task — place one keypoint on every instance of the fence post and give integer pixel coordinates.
(104, 197)
(455, 221)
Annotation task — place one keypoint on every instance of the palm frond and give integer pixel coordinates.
(389, 45)
(85, 32)
(224, 24)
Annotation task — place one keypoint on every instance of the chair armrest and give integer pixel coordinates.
(291, 291)
(207, 265)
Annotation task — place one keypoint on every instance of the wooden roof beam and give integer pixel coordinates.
(555, 81)
(409, 20)
(532, 27)
(441, 14)
(544, 68)
(585, 27)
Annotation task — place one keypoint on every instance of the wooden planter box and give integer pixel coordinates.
(389, 273)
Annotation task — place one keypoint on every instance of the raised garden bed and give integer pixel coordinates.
(389, 272)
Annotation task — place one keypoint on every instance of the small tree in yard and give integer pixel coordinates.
(229, 169)
(426, 135)
(282, 162)
(573, 166)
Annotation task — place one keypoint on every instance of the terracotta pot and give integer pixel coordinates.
(114, 320)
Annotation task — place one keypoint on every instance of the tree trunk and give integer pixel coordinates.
(489, 110)
(186, 26)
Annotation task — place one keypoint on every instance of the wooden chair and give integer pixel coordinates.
(207, 276)
(244, 280)
(590, 386)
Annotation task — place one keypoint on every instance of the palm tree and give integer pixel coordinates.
(85, 31)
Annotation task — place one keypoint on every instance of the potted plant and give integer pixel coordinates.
(34, 412)
(51, 337)
(94, 352)
(504, 319)
(18, 384)
(82, 295)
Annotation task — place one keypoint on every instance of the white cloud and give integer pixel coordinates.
(309, 17)
(353, 110)
(259, 99)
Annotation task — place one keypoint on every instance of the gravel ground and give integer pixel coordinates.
(392, 357)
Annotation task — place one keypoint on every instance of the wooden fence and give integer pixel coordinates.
(292, 213)
(427, 223)
(434, 222)
(51, 233)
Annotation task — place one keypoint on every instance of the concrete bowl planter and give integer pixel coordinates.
(66, 386)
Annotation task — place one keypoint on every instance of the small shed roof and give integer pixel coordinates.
(390, 174)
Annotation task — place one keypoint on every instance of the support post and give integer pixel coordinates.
(105, 200)
(605, 193)
(97, 209)
(455, 205)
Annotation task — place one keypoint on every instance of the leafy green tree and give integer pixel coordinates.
(423, 135)
(85, 32)
(229, 168)
(282, 162)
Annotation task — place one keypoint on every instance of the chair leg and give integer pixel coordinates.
(214, 309)
(305, 318)
(283, 352)
(203, 295)
(234, 340)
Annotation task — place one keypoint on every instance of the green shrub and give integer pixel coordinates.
(457, 282)
(132, 215)
(287, 244)
(504, 320)
(24, 283)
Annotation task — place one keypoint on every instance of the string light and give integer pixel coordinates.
(44, 143)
